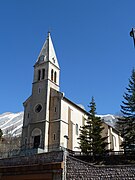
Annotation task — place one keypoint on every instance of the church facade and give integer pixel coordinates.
(51, 120)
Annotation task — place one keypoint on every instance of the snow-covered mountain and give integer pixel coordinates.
(109, 119)
(11, 123)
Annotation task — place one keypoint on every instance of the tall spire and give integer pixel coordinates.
(47, 52)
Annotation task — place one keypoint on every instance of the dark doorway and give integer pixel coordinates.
(36, 141)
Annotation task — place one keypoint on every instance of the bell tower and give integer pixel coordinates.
(36, 107)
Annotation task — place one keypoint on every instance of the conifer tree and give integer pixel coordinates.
(83, 140)
(97, 143)
(91, 139)
(126, 124)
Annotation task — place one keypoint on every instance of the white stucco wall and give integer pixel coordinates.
(76, 117)
(115, 139)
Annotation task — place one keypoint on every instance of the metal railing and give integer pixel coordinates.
(108, 153)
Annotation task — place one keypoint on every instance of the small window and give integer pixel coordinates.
(55, 109)
(43, 73)
(52, 74)
(28, 115)
(55, 77)
(39, 75)
(25, 141)
(41, 58)
(53, 59)
(39, 90)
(77, 129)
(54, 137)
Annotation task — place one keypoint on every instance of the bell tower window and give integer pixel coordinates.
(52, 74)
(43, 73)
(39, 75)
(55, 77)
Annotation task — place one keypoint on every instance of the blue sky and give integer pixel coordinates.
(92, 42)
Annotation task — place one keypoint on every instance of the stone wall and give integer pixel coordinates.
(79, 170)
(43, 158)
(45, 166)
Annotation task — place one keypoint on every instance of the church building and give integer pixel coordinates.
(51, 120)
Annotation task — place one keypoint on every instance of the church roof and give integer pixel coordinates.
(47, 52)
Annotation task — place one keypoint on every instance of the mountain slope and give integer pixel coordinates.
(11, 123)
(109, 119)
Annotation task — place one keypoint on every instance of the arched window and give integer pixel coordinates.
(43, 73)
(52, 74)
(37, 137)
(55, 77)
(39, 75)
